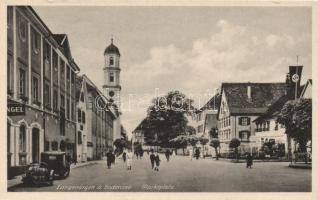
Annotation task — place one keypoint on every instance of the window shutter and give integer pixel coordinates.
(248, 121)
(240, 120)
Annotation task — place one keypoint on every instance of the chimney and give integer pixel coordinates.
(249, 92)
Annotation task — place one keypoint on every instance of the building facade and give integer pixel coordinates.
(97, 132)
(241, 104)
(41, 81)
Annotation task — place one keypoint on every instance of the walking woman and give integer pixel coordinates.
(129, 159)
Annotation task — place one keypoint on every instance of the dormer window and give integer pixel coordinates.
(111, 61)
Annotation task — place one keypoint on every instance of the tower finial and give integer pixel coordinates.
(112, 39)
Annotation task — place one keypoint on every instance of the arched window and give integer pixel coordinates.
(111, 61)
(22, 138)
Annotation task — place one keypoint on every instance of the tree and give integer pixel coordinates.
(166, 116)
(296, 116)
(234, 144)
(215, 143)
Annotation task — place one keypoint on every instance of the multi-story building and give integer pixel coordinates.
(241, 103)
(96, 119)
(41, 84)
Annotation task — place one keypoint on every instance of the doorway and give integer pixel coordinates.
(35, 145)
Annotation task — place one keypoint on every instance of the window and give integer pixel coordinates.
(35, 90)
(79, 115)
(79, 137)
(83, 117)
(72, 111)
(276, 126)
(9, 79)
(68, 73)
(35, 37)
(22, 139)
(244, 135)
(68, 108)
(62, 101)
(47, 146)
(9, 17)
(54, 146)
(111, 77)
(62, 70)
(22, 28)
(244, 121)
(47, 96)
(47, 52)
(111, 61)
(55, 100)
(22, 82)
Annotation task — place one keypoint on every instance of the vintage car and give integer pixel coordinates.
(38, 174)
(52, 163)
(58, 162)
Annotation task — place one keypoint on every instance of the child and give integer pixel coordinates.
(129, 159)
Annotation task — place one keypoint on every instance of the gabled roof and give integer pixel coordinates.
(213, 103)
(263, 95)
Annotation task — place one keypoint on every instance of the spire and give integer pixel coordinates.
(112, 39)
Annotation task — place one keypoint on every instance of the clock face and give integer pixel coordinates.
(295, 78)
(111, 93)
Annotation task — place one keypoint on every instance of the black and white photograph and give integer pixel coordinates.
(158, 98)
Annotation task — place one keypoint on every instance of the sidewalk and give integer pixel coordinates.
(18, 179)
(300, 165)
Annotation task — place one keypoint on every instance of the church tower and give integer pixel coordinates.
(111, 87)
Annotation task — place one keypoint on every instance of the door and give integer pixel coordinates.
(35, 145)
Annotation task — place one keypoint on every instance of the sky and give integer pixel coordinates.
(190, 49)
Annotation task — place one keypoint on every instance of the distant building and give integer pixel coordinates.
(138, 134)
(40, 84)
(306, 92)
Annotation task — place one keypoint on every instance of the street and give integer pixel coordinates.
(181, 174)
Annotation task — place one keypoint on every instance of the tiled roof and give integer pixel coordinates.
(263, 95)
(274, 109)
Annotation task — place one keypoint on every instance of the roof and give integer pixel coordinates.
(274, 109)
(304, 87)
(263, 95)
(112, 49)
(213, 103)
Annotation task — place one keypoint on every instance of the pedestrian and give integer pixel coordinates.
(152, 159)
(109, 158)
(129, 159)
(249, 160)
(124, 156)
(167, 154)
(190, 153)
(157, 161)
(197, 153)
(113, 158)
